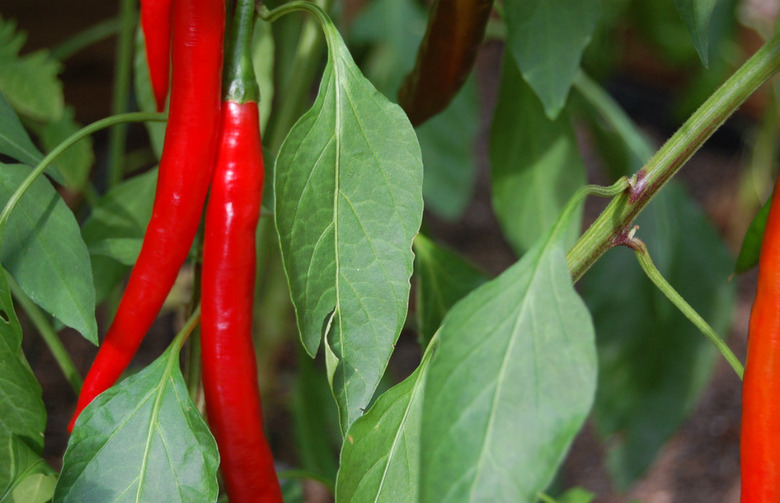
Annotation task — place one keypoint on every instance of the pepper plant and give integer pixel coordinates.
(371, 112)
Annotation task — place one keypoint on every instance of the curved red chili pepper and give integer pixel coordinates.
(156, 25)
(228, 279)
(760, 435)
(185, 171)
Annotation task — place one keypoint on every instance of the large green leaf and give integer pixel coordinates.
(121, 214)
(348, 192)
(43, 250)
(380, 459)
(535, 164)
(22, 413)
(29, 82)
(697, 14)
(142, 440)
(443, 278)
(546, 39)
(511, 383)
(653, 363)
(14, 140)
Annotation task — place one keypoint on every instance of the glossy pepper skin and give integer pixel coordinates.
(760, 435)
(156, 25)
(445, 58)
(228, 279)
(229, 368)
(185, 170)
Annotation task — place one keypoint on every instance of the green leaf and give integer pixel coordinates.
(447, 143)
(380, 459)
(535, 163)
(24, 477)
(576, 495)
(122, 213)
(546, 39)
(43, 250)
(29, 82)
(292, 491)
(76, 162)
(14, 140)
(348, 192)
(394, 28)
(315, 419)
(144, 95)
(750, 250)
(697, 14)
(16, 143)
(22, 413)
(35, 488)
(653, 363)
(443, 278)
(142, 440)
(510, 386)
(123, 250)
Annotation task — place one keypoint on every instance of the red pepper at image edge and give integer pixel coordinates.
(760, 434)
(156, 25)
(185, 172)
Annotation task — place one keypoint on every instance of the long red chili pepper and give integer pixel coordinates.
(185, 171)
(760, 436)
(156, 25)
(229, 369)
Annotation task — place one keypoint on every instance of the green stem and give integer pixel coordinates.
(186, 330)
(83, 132)
(613, 223)
(87, 37)
(49, 335)
(303, 67)
(562, 223)
(660, 282)
(305, 474)
(121, 95)
(239, 83)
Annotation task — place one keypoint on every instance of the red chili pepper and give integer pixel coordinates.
(760, 436)
(227, 290)
(156, 24)
(185, 171)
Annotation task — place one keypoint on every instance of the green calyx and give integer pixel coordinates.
(239, 84)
